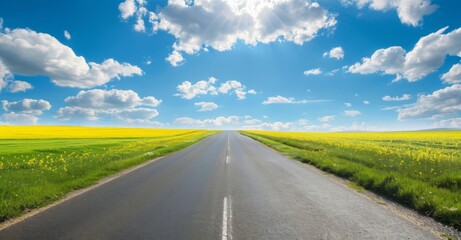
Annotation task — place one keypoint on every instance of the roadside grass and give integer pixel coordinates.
(36, 172)
(421, 170)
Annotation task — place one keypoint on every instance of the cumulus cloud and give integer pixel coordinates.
(328, 118)
(206, 106)
(404, 97)
(284, 100)
(352, 113)
(67, 35)
(122, 105)
(449, 123)
(19, 119)
(109, 99)
(19, 86)
(426, 57)
(314, 71)
(216, 122)
(127, 8)
(26, 52)
(336, 52)
(200, 24)
(366, 102)
(410, 12)
(442, 103)
(348, 104)
(27, 106)
(24, 112)
(187, 90)
(453, 76)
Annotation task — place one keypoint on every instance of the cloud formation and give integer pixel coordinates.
(442, 103)
(24, 112)
(121, 105)
(187, 90)
(206, 106)
(201, 24)
(410, 12)
(314, 71)
(67, 35)
(336, 52)
(404, 97)
(426, 57)
(453, 76)
(26, 52)
(288, 100)
(352, 113)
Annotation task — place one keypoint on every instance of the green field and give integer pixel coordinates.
(35, 172)
(421, 170)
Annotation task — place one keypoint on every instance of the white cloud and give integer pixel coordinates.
(24, 112)
(328, 118)
(404, 97)
(139, 26)
(389, 60)
(453, 76)
(356, 127)
(442, 103)
(336, 52)
(200, 24)
(19, 86)
(410, 12)
(27, 106)
(314, 71)
(426, 57)
(449, 123)
(348, 104)
(366, 102)
(352, 113)
(206, 106)
(67, 35)
(109, 99)
(19, 119)
(26, 52)
(175, 59)
(187, 90)
(284, 100)
(121, 105)
(216, 122)
(127, 8)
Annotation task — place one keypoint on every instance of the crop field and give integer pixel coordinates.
(39, 165)
(421, 170)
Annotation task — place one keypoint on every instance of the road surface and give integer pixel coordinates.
(226, 187)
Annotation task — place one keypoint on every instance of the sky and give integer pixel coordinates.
(285, 65)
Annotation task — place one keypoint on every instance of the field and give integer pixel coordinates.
(39, 165)
(421, 170)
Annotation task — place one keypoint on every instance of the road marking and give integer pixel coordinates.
(227, 219)
(227, 159)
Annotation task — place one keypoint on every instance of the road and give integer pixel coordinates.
(226, 187)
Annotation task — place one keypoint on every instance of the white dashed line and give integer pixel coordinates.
(227, 219)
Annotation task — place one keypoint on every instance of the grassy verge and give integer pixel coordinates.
(36, 172)
(431, 187)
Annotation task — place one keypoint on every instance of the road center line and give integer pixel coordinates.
(227, 219)
(227, 159)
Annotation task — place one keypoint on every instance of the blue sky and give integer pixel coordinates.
(291, 65)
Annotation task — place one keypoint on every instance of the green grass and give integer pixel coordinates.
(435, 193)
(34, 173)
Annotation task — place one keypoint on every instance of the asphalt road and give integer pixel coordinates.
(225, 187)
